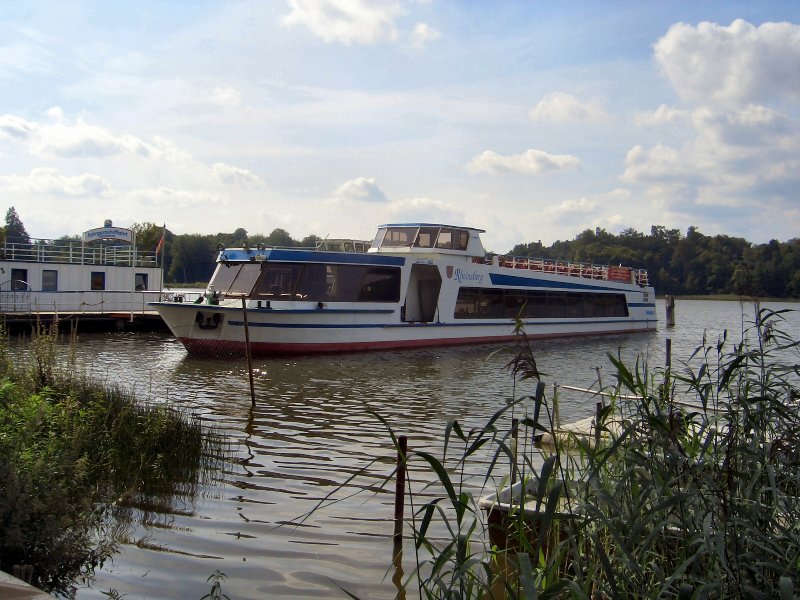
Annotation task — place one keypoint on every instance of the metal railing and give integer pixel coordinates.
(75, 252)
(94, 302)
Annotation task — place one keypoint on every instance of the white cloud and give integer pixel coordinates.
(362, 189)
(744, 158)
(174, 199)
(426, 210)
(657, 164)
(51, 182)
(663, 115)
(751, 127)
(236, 176)
(21, 58)
(346, 21)
(532, 161)
(732, 65)
(565, 108)
(84, 140)
(422, 34)
(12, 126)
(226, 96)
(583, 206)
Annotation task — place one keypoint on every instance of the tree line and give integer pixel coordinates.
(691, 264)
(678, 264)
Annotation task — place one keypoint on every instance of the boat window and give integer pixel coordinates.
(455, 239)
(223, 276)
(19, 279)
(320, 282)
(380, 284)
(476, 303)
(279, 280)
(245, 280)
(426, 237)
(232, 278)
(49, 280)
(399, 236)
(98, 281)
(140, 282)
(376, 243)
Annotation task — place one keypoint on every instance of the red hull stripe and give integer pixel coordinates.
(225, 348)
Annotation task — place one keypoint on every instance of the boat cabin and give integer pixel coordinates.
(428, 238)
(101, 271)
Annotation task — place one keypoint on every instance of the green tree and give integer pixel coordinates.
(148, 235)
(193, 258)
(15, 231)
(310, 241)
(280, 237)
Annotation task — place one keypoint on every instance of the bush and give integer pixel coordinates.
(75, 456)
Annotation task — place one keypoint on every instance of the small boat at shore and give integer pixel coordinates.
(417, 285)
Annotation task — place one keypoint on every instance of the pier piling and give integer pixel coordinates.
(400, 492)
(247, 351)
(670, 305)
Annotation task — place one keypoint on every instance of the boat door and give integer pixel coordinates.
(422, 297)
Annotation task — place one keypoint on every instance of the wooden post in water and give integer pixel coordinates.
(668, 363)
(556, 411)
(400, 492)
(247, 351)
(670, 304)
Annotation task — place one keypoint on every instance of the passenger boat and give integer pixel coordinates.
(417, 285)
(102, 274)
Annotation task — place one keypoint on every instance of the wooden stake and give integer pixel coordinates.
(669, 302)
(400, 491)
(247, 351)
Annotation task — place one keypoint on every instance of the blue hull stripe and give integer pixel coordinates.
(532, 282)
(419, 325)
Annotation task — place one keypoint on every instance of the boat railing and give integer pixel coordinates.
(75, 252)
(570, 268)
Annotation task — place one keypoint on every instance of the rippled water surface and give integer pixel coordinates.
(310, 431)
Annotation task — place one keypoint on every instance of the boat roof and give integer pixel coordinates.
(431, 225)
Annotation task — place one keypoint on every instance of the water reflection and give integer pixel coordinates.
(311, 430)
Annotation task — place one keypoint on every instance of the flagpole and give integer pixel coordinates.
(160, 248)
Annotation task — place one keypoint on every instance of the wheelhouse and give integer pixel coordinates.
(308, 281)
(427, 237)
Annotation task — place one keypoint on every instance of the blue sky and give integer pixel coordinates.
(532, 120)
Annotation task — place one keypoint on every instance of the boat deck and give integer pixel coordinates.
(572, 269)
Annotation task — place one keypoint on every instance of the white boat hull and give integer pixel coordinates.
(301, 302)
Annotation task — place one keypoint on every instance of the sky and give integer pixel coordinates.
(532, 120)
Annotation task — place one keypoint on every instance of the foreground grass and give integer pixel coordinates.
(76, 456)
(688, 487)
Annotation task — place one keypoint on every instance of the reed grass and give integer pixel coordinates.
(688, 487)
(77, 459)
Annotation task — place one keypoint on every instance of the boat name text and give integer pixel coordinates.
(474, 276)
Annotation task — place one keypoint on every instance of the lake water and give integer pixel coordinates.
(312, 429)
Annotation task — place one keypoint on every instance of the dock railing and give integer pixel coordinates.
(23, 302)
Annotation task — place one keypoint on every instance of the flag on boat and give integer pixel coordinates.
(160, 244)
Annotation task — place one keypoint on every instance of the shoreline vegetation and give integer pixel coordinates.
(687, 486)
(82, 462)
